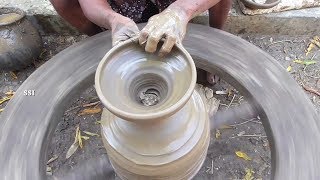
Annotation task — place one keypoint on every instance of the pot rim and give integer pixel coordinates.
(147, 116)
(12, 10)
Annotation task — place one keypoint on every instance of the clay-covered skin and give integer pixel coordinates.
(171, 24)
(123, 28)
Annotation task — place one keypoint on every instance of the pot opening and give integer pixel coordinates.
(10, 15)
(148, 89)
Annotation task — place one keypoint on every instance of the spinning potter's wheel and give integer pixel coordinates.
(155, 125)
(290, 120)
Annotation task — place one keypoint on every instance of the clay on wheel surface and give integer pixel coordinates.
(289, 118)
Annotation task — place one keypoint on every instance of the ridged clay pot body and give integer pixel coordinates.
(155, 125)
(20, 43)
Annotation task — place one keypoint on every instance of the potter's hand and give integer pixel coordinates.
(170, 24)
(123, 28)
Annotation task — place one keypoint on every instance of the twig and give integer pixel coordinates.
(84, 105)
(249, 135)
(311, 90)
(250, 120)
(276, 42)
(73, 108)
(258, 122)
(226, 105)
(231, 101)
(91, 104)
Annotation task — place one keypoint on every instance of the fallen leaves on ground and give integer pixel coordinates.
(4, 99)
(2, 109)
(243, 155)
(226, 127)
(78, 135)
(314, 42)
(90, 133)
(97, 122)
(249, 174)
(13, 75)
(54, 157)
(90, 111)
(309, 49)
(77, 143)
(218, 134)
(85, 137)
(8, 96)
(289, 68)
(305, 62)
(10, 93)
(73, 148)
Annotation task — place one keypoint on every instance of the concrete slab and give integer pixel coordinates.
(297, 22)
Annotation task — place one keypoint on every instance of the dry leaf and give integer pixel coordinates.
(226, 127)
(243, 155)
(54, 157)
(249, 174)
(9, 93)
(218, 134)
(90, 133)
(298, 61)
(85, 137)
(316, 41)
(79, 137)
(309, 62)
(289, 68)
(13, 75)
(309, 49)
(97, 122)
(4, 99)
(89, 111)
(73, 148)
(49, 171)
(1, 109)
(306, 62)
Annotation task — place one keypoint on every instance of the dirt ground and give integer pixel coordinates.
(221, 161)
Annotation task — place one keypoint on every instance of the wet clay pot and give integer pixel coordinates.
(20, 43)
(155, 124)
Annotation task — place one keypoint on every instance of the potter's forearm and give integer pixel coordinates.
(98, 12)
(192, 8)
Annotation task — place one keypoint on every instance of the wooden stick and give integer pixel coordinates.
(311, 90)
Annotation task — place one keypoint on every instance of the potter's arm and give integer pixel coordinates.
(100, 13)
(192, 8)
(171, 24)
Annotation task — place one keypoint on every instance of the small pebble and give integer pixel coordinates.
(287, 58)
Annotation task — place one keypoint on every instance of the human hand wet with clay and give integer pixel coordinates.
(123, 28)
(171, 24)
